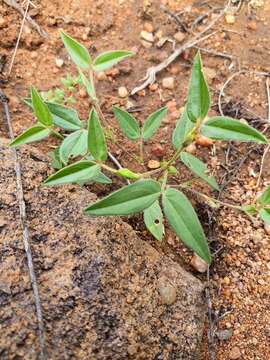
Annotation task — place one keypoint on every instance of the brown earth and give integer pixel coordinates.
(240, 274)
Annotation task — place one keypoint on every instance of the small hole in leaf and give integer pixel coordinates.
(157, 222)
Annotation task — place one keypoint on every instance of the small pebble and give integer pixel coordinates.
(101, 76)
(122, 92)
(204, 141)
(148, 27)
(179, 36)
(147, 36)
(191, 148)
(230, 19)
(198, 264)
(235, 353)
(82, 93)
(146, 44)
(153, 164)
(59, 62)
(168, 83)
(153, 87)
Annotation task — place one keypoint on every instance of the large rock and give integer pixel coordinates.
(105, 293)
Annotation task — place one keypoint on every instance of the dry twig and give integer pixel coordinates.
(152, 71)
(19, 38)
(268, 146)
(20, 197)
(33, 23)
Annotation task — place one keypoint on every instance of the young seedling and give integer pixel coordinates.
(149, 192)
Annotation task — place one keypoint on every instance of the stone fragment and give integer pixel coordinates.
(198, 264)
(168, 83)
(122, 92)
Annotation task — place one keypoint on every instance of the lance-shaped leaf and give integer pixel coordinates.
(127, 123)
(153, 122)
(65, 118)
(40, 108)
(198, 94)
(185, 222)
(198, 168)
(153, 219)
(88, 84)
(128, 200)
(78, 53)
(264, 199)
(83, 170)
(96, 139)
(99, 178)
(183, 127)
(35, 133)
(73, 145)
(265, 215)
(107, 59)
(226, 128)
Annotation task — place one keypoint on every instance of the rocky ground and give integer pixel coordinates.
(239, 277)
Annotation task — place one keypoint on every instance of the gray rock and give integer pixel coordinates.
(100, 286)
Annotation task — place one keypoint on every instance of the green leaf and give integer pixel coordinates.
(265, 215)
(65, 118)
(78, 53)
(185, 222)
(128, 200)
(88, 84)
(183, 127)
(198, 168)
(264, 199)
(96, 139)
(40, 108)
(107, 59)
(35, 133)
(56, 162)
(127, 123)
(102, 179)
(83, 170)
(73, 145)
(249, 209)
(128, 174)
(198, 94)
(226, 128)
(153, 123)
(153, 219)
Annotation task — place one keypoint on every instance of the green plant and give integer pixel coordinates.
(86, 141)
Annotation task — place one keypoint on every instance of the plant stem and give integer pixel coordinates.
(209, 199)
(141, 150)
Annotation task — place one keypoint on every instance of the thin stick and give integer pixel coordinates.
(215, 53)
(268, 147)
(221, 93)
(20, 197)
(211, 332)
(33, 23)
(19, 38)
(152, 71)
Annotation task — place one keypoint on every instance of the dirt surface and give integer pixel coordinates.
(105, 293)
(240, 273)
